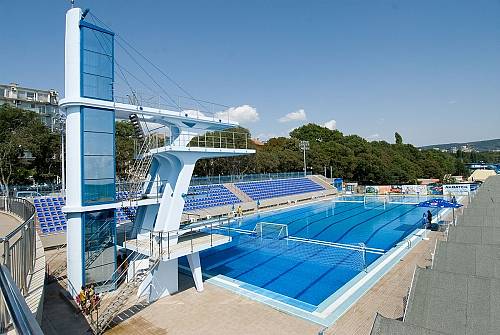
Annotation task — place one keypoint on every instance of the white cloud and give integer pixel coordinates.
(373, 137)
(299, 115)
(452, 102)
(241, 114)
(332, 124)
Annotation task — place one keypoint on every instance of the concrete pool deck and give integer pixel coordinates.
(213, 311)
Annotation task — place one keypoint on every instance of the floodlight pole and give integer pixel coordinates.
(305, 166)
(304, 145)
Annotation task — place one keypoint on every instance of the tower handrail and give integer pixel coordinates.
(194, 137)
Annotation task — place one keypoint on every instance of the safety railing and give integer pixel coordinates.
(29, 191)
(13, 307)
(19, 246)
(220, 179)
(127, 191)
(196, 138)
(182, 106)
(185, 239)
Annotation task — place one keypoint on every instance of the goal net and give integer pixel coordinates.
(375, 201)
(269, 230)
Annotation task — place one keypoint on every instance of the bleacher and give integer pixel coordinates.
(51, 219)
(125, 214)
(259, 190)
(206, 196)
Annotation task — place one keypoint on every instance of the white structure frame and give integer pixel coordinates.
(173, 163)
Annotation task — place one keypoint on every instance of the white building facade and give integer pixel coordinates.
(42, 102)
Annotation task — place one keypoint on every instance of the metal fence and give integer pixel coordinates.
(245, 177)
(13, 307)
(35, 190)
(18, 247)
(166, 136)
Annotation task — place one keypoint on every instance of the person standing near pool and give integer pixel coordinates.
(429, 217)
(424, 220)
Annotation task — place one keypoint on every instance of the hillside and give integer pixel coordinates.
(486, 145)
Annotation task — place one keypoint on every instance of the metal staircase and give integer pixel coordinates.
(139, 170)
(118, 299)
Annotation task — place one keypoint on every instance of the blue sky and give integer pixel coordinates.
(427, 69)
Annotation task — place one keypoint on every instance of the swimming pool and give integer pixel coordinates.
(301, 270)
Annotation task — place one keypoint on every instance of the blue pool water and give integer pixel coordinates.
(305, 272)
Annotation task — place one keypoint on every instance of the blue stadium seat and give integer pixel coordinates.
(50, 216)
(207, 196)
(267, 189)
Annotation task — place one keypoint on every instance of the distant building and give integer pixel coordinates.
(43, 102)
(257, 142)
(466, 148)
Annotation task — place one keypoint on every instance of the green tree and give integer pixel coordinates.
(124, 142)
(29, 151)
(398, 138)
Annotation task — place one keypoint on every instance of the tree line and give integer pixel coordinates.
(350, 156)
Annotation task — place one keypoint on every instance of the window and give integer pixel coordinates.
(43, 97)
(97, 62)
(30, 95)
(100, 246)
(98, 155)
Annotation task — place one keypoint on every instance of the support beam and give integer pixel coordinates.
(195, 266)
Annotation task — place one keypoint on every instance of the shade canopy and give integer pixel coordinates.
(439, 203)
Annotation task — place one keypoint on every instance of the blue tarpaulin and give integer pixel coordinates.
(439, 203)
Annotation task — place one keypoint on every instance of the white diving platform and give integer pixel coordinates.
(171, 249)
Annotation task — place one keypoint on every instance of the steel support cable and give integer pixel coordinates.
(154, 65)
(138, 64)
(117, 65)
(149, 75)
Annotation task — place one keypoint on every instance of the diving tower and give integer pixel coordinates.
(159, 178)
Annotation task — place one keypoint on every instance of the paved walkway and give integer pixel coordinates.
(387, 296)
(215, 311)
(59, 317)
(8, 223)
